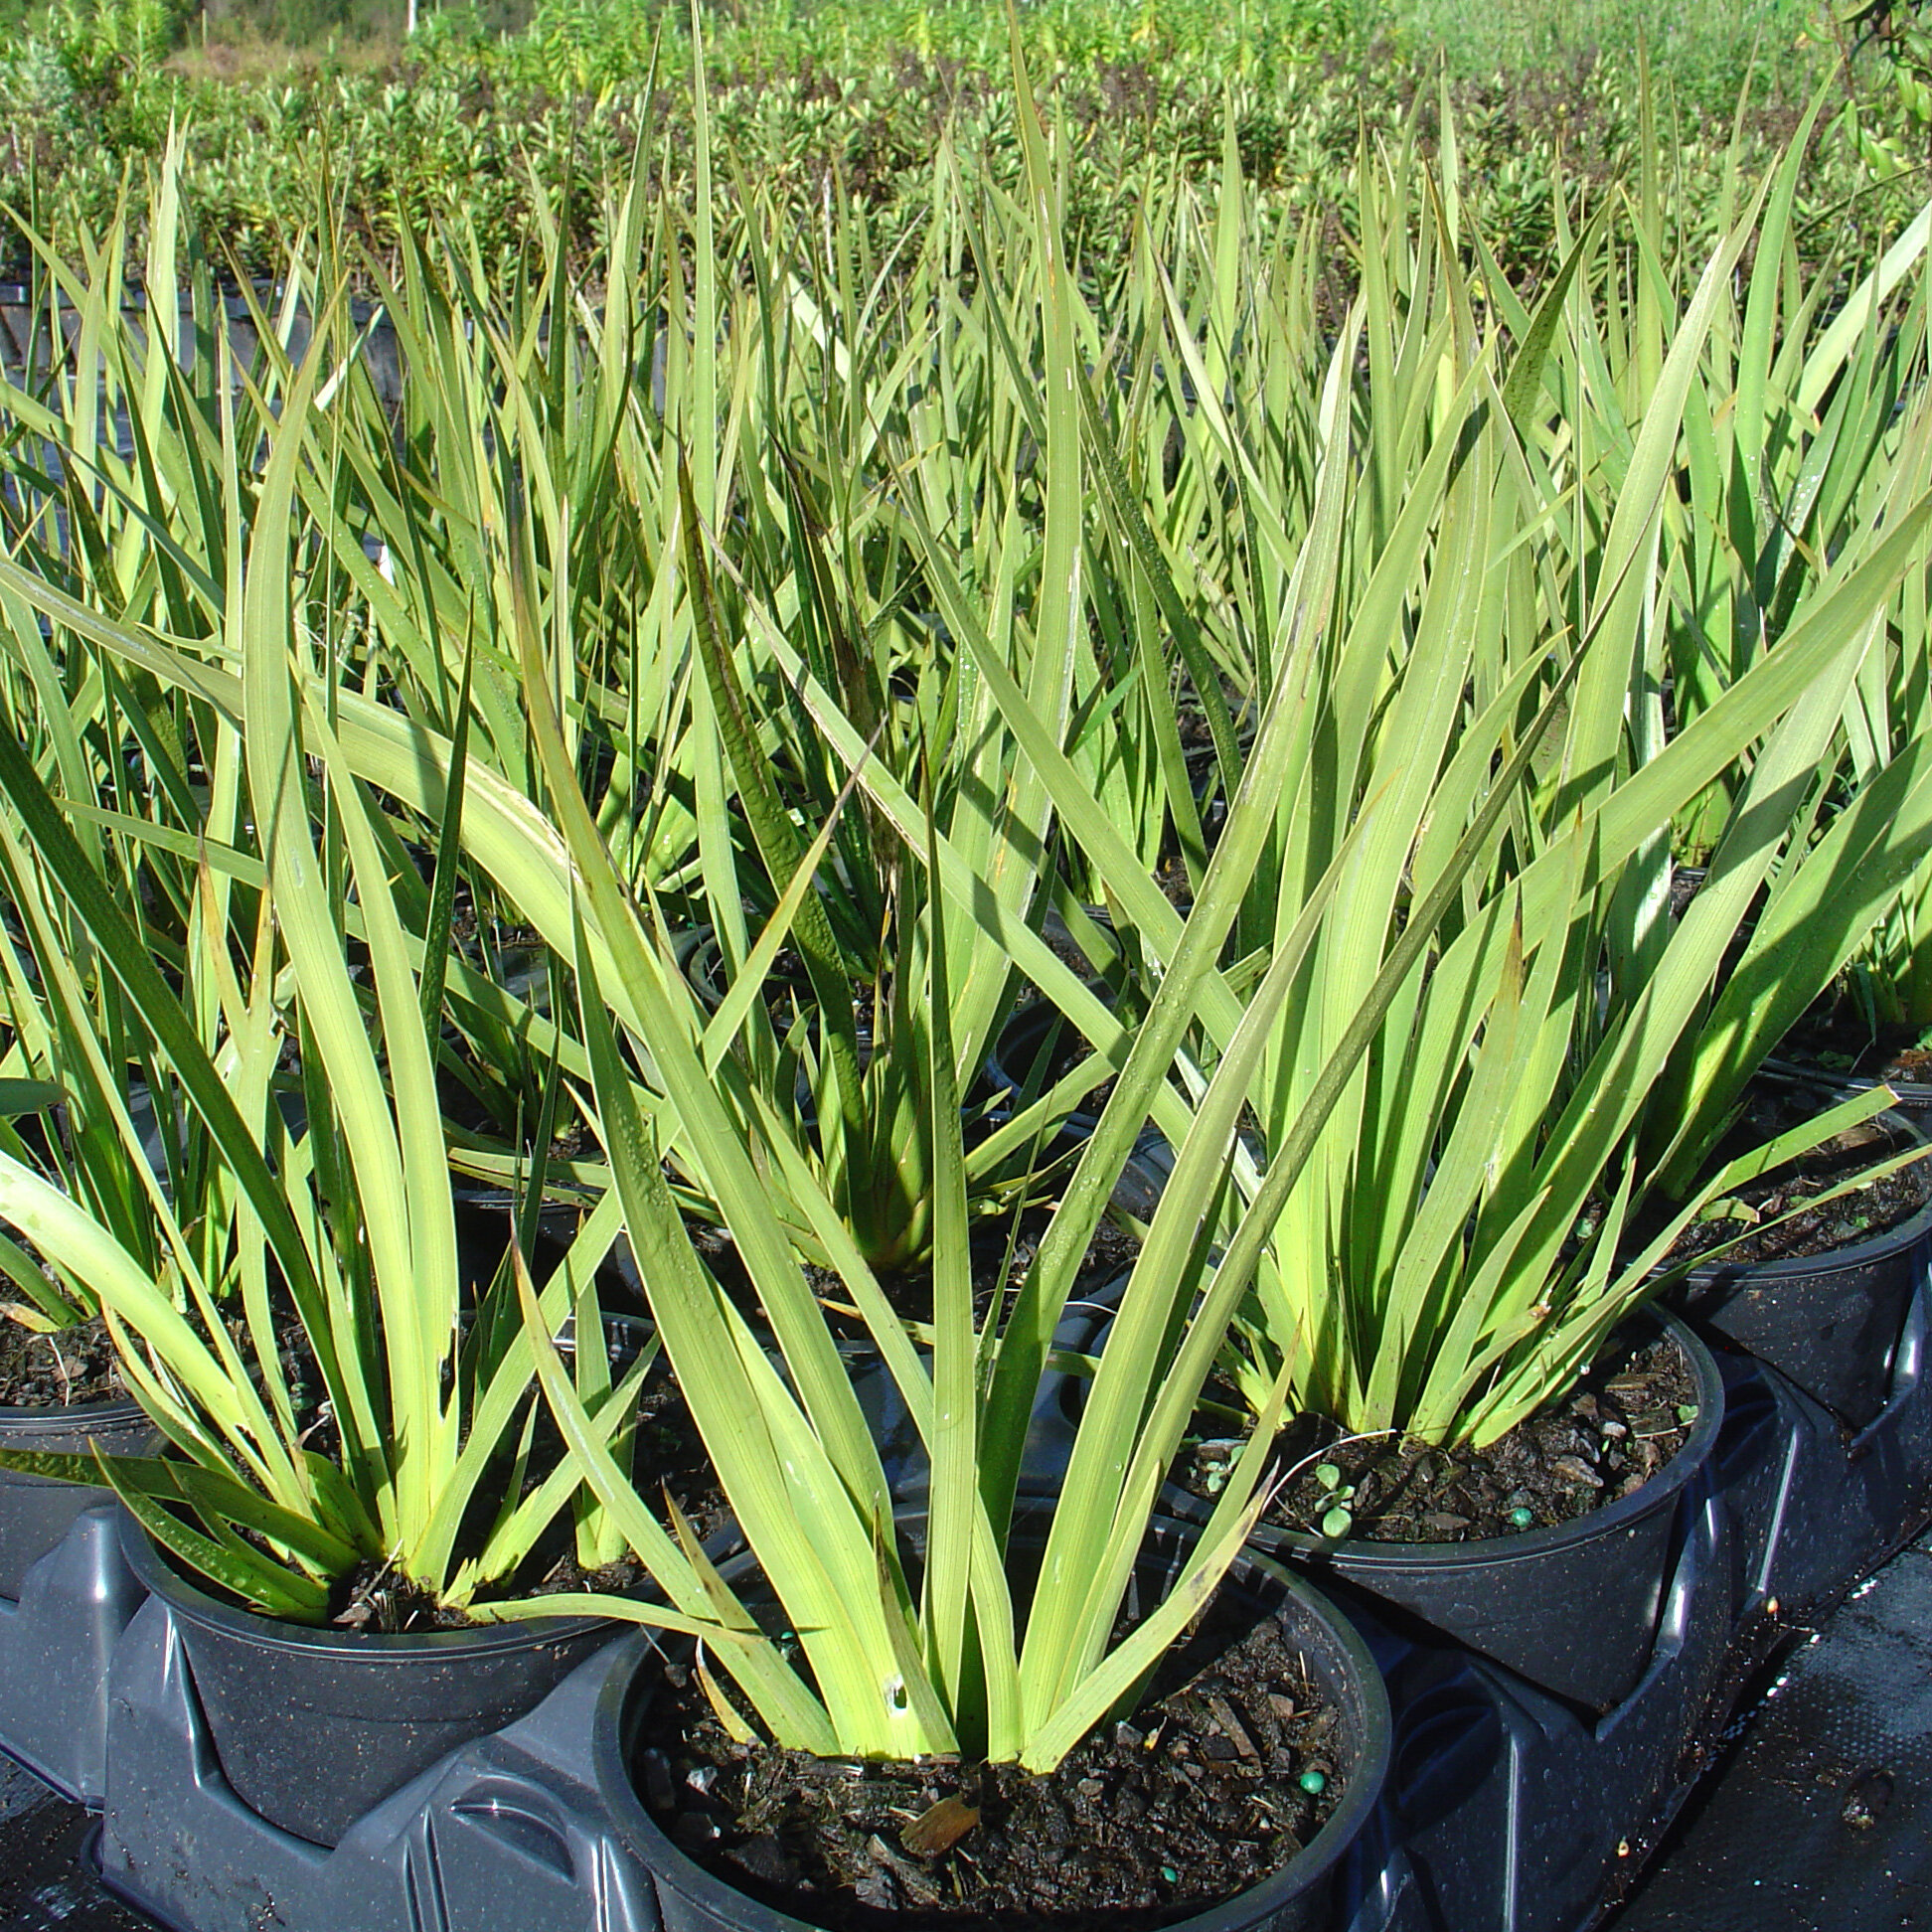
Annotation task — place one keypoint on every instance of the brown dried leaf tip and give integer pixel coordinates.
(939, 1828)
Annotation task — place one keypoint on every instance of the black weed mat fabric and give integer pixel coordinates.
(1821, 1819)
(46, 1884)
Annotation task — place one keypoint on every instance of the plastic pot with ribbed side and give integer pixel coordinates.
(1819, 1507)
(1321, 1889)
(66, 1592)
(1572, 1608)
(312, 1727)
(37, 1511)
(1517, 1809)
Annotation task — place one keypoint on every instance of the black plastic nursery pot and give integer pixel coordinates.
(1037, 1044)
(1506, 1809)
(314, 1726)
(1034, 1047)
(1830, 1323)
(1050, 1433)
(1313, 1891)
(1572, 1608)
(37, 1511)
(1912, 1098)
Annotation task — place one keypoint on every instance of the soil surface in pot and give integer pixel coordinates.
(373, 1598)
(1628, 1415)
(1204, 1793)
(1772, 1109)
(74, 1364)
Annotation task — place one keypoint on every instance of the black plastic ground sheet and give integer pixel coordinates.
(1821, 1819)
(43, 1878)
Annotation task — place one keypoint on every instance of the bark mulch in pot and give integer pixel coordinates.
(1859, 1217)
(1844, 1222)
(1207, 1791)
(56, 1370)
(1629, 1414)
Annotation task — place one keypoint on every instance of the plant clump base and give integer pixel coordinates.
(1201, 1794)
(373, 1598)
(1001, 1256)
(670, 1455)
(1628, 1415)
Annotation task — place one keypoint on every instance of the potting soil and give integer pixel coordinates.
(1773, 1205)
(1207, 1791)
(74, 1365)
(1629, 1414)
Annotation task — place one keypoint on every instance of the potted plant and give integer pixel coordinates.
(1832, 433)
(1787, 490)
(1451, 1251)
(908, 1628)
(349, 1428)
(825, 1061)
(65, 1594)
(61, 1396)
(975, 1629)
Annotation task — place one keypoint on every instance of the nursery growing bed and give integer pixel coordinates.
(1505, 1808)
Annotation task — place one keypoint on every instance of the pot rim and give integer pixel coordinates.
(106, 1411)
(1038, 1017)
(1362, 1553)
(1919, 1092)
(1840, 1260)
(1314, 1862)
(195, 1606)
